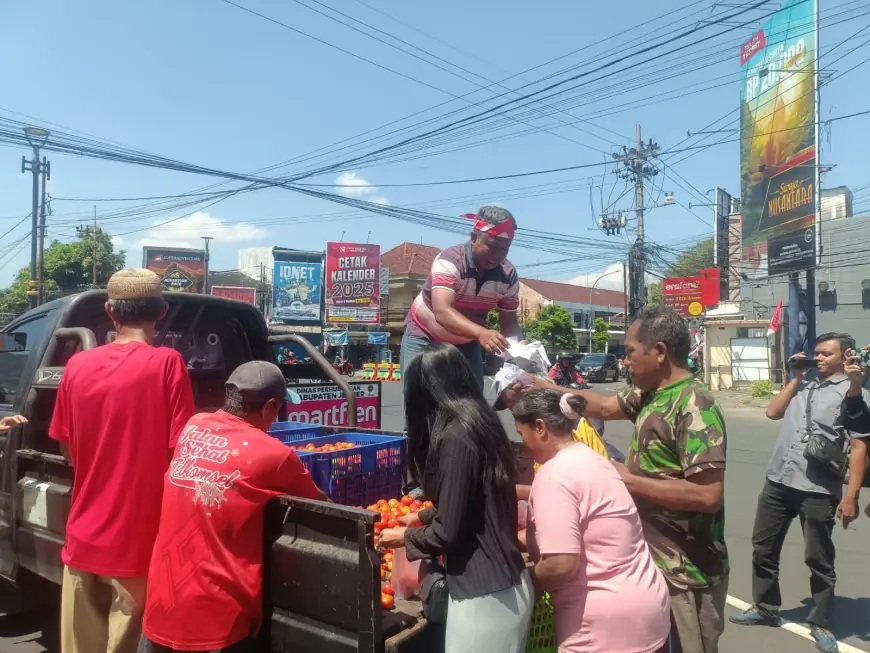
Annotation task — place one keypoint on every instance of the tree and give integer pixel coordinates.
(688, 264)
(554, 327)
(600, 334)
(68, 267)
(492, 320)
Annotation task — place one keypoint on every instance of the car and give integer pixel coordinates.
(599, 368)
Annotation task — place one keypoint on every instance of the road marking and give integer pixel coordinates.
(795, 629)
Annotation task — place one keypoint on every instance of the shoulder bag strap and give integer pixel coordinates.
(809, 416)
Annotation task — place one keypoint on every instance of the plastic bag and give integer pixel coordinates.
(405, 578)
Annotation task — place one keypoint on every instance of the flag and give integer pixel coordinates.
(776, 320)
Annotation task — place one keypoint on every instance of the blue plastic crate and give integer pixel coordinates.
(293, 432)
(307, 460)
(359, 476)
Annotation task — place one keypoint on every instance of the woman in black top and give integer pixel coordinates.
(459, 448)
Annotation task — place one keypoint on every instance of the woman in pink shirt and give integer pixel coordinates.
(585, 537)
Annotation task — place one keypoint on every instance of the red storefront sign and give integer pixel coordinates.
(239, 293)
(689, 296)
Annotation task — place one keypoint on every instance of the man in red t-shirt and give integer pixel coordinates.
(204, 586)
(120, 409)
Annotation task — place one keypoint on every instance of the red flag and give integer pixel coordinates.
(776, 320)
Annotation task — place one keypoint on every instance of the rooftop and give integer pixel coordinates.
(410, 259)
(571, 294)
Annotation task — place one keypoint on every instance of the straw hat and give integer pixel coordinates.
(134, 283)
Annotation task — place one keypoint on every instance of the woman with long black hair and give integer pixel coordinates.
(458, 447)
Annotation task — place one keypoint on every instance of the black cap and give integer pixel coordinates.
(257, 382)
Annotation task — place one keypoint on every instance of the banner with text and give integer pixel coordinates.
(690, 296)
(296, 291)
(326, 405)
(180, 270)
(239, 293)
(353, 283)
(778, 116)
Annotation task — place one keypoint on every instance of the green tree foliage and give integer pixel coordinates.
(492, 321)
(688, 264)
(68, 267)
(554, 327)
(600, 335)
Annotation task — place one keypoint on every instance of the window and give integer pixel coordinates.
(18, 341)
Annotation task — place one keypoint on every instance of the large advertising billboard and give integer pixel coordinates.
(353, 273)
(691, 296)
(327, 405)
(180, 270)
(297, 291)
(778, 143)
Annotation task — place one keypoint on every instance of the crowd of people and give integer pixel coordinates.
(163, 549)
(633, 554)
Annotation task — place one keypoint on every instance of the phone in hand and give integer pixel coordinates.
(862, 356)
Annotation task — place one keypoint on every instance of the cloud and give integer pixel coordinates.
(188, 232)
(609, 278)
(351, 184)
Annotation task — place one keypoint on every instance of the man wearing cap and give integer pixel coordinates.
(204, 586)
(120, 409)
(467, 281)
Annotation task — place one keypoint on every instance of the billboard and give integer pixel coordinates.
(353, 273)
(239, 293)
(297, 290)
(689, 296)
(181, 270)
(326, 405)
(778, 143)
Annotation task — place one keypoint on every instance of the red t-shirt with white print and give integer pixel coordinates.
(204, 587)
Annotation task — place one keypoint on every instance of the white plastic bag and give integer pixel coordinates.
(405, 578)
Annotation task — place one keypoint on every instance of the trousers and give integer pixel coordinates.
(699, 617)
(778, 505)
(413, 345)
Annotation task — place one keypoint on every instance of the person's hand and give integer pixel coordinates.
(621, 469)
(798, 372)
(10, 422)
(392, 538)
(511, 394)
(492, 341)
(410, 520)
(847, 511)
(855, 370)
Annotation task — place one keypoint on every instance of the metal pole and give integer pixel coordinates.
(817, 258)
(94, 271)
(33, 292)
(207, 240)
(40, 271)
(640, 261)
(625, 294)
(638, 190)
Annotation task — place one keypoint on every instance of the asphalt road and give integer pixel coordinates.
(750, 440)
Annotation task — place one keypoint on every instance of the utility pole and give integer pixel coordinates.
(92, 232)
(40, 270)
(636, 168)
(36, 137)
(207, 240)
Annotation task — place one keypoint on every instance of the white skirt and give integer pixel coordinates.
(495, 622)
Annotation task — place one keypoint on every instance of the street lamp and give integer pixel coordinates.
(592, 292)
(36, 137)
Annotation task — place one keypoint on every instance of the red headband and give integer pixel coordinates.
(502, 229)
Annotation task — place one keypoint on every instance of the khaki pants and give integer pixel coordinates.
(699, 617)
(100, 614)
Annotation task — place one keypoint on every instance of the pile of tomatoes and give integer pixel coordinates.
(325, 448)
(391, 511)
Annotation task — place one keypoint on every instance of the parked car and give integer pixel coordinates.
(599, 368)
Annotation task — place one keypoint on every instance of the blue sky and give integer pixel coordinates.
(207, 83)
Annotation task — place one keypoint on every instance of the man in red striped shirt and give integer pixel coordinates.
(467, 281)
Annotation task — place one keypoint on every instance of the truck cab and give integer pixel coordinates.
(321, 572)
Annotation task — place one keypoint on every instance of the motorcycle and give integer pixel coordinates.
(344, 367)
(567, 382)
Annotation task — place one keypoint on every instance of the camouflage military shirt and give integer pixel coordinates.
(679, 431)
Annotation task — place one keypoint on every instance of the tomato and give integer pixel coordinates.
(387, 602)
(388, 589)
(383, 574)
(406, 500)
(381, 503)
(417, 506)
(393, 503)
(373, 508)
(379, 526)
(388, 556)
(389, 566)
(427, 505)
(406, 510)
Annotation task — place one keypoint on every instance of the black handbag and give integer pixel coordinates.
(433, 591)
(825, 454)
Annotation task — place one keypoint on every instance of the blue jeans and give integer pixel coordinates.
(413, 345)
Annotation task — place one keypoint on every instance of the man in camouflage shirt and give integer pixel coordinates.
(675, 470)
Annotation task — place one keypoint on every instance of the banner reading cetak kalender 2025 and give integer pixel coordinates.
(353, 283)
